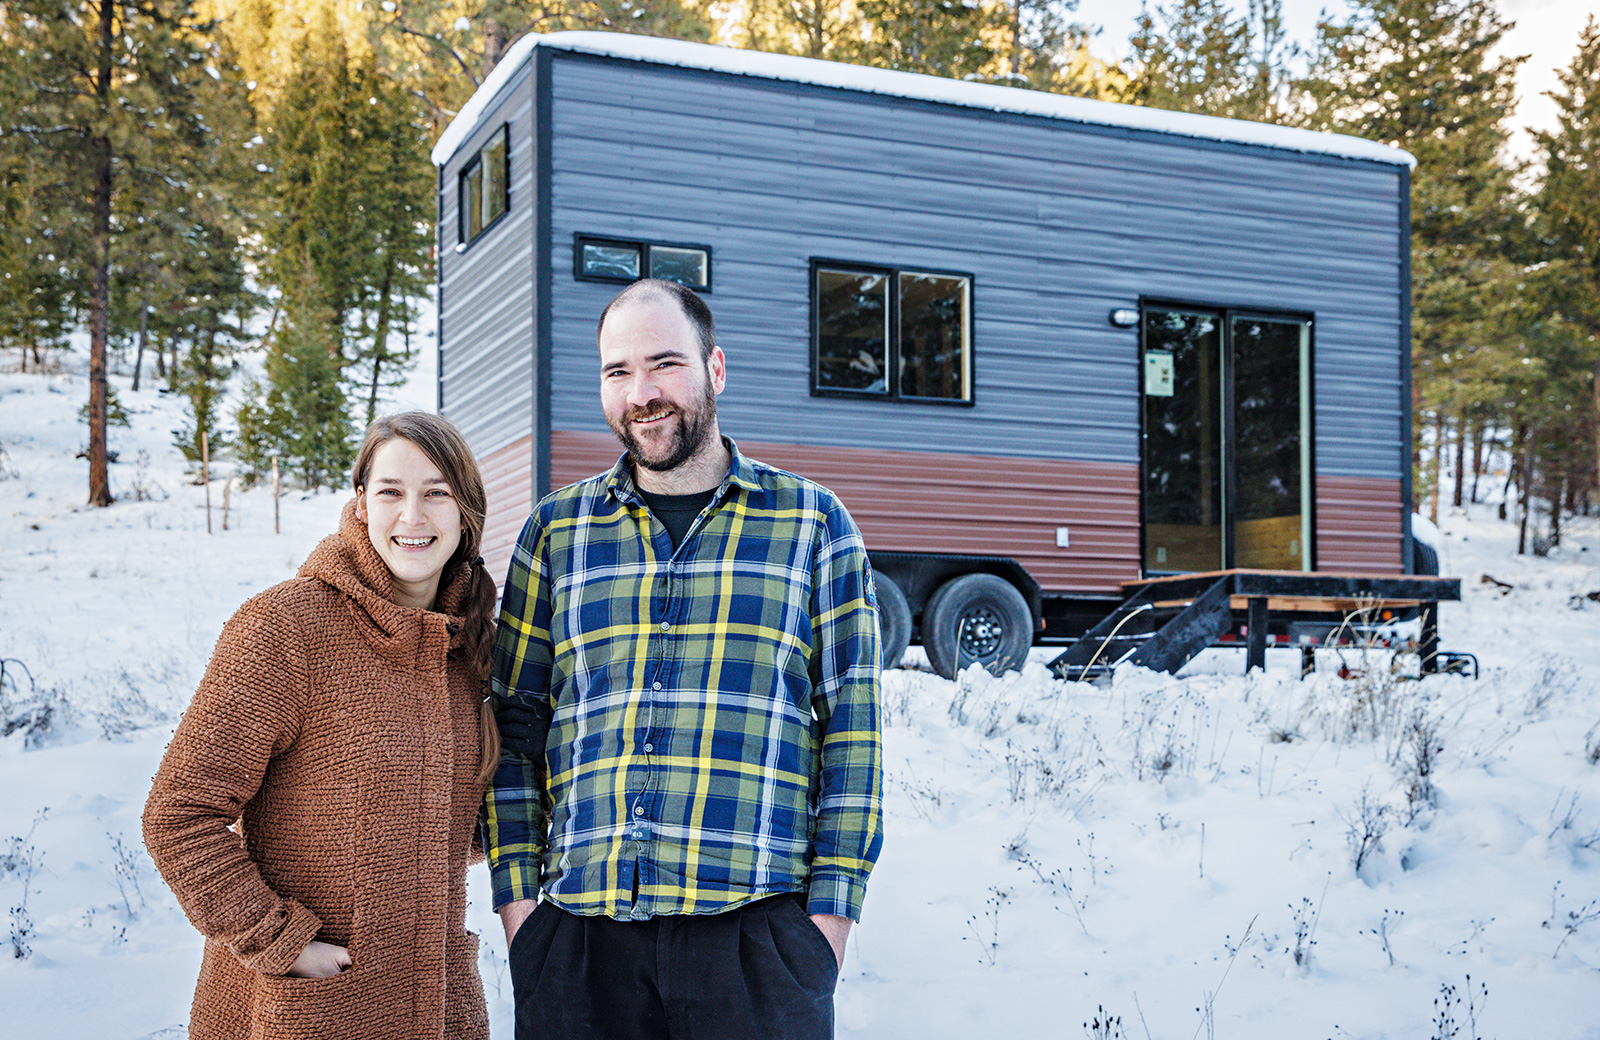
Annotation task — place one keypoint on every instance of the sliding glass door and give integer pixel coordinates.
(1227, 441)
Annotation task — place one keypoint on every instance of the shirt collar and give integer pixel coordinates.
(741, 473)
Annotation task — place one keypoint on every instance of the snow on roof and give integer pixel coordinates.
(908, 85)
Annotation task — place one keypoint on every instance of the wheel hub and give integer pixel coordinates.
(982, 631)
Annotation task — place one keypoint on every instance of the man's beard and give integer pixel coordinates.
(693, 430)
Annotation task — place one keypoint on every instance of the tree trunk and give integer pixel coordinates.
(1557, 493)
(174, 367)
(1477, 457)
(1016, 38)
(1527, 489)
(380, 335)
(138, 358)
(494, 44)
(1438, 464)
(100, 279)
(1512, 462)
(1461, 457)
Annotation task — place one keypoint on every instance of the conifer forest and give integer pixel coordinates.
(190, 181)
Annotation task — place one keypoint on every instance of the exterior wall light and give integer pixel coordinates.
(1124, 317)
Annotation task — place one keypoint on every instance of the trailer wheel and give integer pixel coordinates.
(1425, 558)
(894, 619)
(977, 617)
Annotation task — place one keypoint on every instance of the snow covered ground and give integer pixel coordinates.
(1176, 853)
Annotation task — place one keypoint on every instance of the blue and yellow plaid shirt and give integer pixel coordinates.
(713, 712)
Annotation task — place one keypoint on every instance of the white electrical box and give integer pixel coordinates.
(1157, 373)
(1063, 538)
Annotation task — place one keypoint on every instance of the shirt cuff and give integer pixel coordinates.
(514, 879)
(836, 894)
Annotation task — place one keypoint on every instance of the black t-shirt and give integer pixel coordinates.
(676, 512)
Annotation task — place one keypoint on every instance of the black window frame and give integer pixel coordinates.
(892, 390)
(463, 193)
(582, 238)
(1226, 314)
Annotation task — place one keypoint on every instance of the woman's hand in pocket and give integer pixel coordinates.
(320, 960)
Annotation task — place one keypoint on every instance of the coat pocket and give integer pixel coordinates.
(342, 1005)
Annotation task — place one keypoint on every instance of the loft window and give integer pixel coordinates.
(486, 186)
(891, 332)
(622, 260)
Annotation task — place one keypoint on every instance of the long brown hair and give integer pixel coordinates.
(438, 439)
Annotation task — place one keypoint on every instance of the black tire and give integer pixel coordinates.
(977, 617)
(1424, 558)
(894, 619)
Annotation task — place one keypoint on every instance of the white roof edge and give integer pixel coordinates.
(908, 85)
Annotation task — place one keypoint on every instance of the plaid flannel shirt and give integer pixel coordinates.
(713, 711)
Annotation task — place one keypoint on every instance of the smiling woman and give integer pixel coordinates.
(341, 725)
(413, 520)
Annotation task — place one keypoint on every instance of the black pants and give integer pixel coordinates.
(761, 972)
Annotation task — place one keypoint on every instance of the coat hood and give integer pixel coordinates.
(348, 562)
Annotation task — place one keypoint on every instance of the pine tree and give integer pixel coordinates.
(1420, 75)
(301, 413)
(40, 288)
(212, 317)
(398, 183)
(1193, 57)
(936, 37)
(1570, 217)
(1043, 49)
(812, 28)
(354, 194)
(317, 141)
(441, 50)
(108, 92)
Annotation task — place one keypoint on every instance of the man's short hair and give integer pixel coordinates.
(688, 301)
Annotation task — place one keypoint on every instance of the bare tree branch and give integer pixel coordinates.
(435, 41)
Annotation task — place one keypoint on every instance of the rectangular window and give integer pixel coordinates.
(485, 185)
(621, 260)
(891, 333)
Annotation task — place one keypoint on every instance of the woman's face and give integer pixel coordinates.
(412, 518)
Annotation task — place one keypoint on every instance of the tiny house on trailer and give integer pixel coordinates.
(1041, 346)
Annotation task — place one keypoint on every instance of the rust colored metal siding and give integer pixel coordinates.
(1358, 525)
(508, 478)
(908, 501)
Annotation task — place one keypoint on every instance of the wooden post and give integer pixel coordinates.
(227, 486)
(205, 475)
(275, 495)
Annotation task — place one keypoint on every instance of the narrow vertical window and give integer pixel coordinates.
(485, 193)
(852, 331)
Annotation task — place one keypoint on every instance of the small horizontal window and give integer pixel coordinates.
(485, 186)
(620, 260)
(891, 333)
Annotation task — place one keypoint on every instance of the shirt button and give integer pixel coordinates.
(665, 627)
(638, 810)
(649, 747)
(655, 686)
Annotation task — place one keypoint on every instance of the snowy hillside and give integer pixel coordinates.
(1179, 854)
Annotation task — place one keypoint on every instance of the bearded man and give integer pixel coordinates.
(686, 676)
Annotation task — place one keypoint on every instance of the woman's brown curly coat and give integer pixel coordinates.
(321, 786)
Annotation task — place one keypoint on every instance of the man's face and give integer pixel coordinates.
(659, 396)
